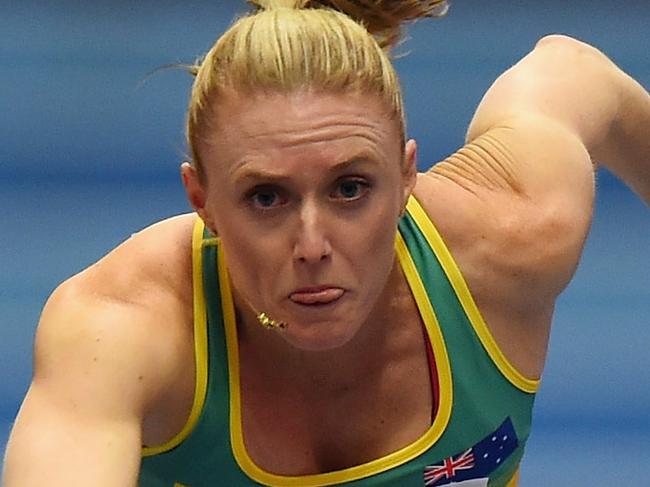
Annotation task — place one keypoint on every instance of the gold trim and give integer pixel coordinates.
(467, 301)
(208, 242)
(514, 481)
(200, 346)
(360, 471)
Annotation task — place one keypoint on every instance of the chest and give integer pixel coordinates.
(291, 431)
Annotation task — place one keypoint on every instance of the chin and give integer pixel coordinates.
(321, 337)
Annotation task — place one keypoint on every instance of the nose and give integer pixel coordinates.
(311, 243)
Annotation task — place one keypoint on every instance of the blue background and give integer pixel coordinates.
(89, 154)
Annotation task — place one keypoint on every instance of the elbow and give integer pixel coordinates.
(557, 40)
(566, 49)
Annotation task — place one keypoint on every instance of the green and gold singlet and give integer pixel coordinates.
(483, 404)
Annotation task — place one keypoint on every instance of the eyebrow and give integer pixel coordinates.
(244, 173)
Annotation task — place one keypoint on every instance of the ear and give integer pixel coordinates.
(196, 193)
(409, 170)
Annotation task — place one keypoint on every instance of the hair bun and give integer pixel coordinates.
(384, 18)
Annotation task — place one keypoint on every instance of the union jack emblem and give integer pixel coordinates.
(450, 466)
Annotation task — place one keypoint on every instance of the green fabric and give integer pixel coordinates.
(482, 398)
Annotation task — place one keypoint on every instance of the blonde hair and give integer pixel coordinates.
(287, 45)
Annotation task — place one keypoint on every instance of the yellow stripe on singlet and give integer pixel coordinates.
(456, 279)
(514, 481)
(200, 346)
(373, 467)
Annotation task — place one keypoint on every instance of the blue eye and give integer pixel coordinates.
(265, 198)
(351, 189)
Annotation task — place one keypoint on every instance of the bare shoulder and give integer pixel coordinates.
(514, 207)
(111, 342)
(120, 327)
(515, 202)
(155, 259)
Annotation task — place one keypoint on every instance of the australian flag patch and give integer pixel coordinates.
(472, 467)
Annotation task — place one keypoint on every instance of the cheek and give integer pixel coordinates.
(253, 256)
(254, 260)
(245, 255)
(373, 244)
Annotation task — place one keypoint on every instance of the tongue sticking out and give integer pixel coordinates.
(321, 296)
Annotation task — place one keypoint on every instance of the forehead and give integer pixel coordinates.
(263, 124)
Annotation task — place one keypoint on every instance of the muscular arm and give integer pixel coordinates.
(95, 375)
(566, 85)
(515, 203)
(527, 168)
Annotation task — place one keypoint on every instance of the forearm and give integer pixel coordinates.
(625, 149)
(54, 448)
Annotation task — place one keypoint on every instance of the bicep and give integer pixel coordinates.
(80, 423)
(525, 157)
(525, 190)
(515, 203)
(535, 131)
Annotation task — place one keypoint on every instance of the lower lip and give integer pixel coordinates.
(318, 298)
